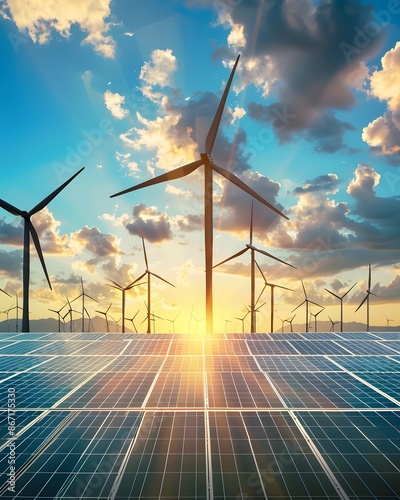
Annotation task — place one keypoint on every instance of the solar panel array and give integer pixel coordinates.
(168, 416)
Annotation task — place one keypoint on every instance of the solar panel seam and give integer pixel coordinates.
(382, 393)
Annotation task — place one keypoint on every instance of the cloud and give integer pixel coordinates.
(160, 69)
(114, 103)
(11, 263)
(48, 229)
(327, 183)
(149, 223)
(126, 162)
(40, 17)
(11, 234)
(94, 241)
(383, 133)
(301, 48)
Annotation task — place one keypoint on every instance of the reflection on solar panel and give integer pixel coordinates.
(282, 416)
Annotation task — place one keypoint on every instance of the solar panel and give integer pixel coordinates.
(277, 416)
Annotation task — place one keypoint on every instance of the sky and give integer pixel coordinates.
(128, 90)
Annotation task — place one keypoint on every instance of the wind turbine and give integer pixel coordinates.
(149, 274)
(388, 320)
(306, 301)
(132, 319)
(105, 314)
(29, 230)
(290, 321)
(59, 316)
(226, 323)
(173, 321)
(209, 168)
(366, 298)
(83, 295)
(243, 318)
(283, 324)
(16, 307)
(197, 321)
(272, 286)
(253, 250)
(70, 311)
(341, 303)
(123, 289)
(333, 323)
(315, 317)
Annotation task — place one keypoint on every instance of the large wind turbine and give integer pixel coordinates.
(253, 250)
(83, 294)
(366, 298)
(29, 230)
(306, 301)
(149, 274)
(341, 303)
(123, 289)
(209, 168)
(272, 286)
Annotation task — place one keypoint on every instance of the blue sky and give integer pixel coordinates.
(127, 90)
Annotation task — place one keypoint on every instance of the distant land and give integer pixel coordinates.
(99, 325)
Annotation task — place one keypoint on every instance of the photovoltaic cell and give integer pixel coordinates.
(367, 363)
(318, 347)
(178, 389)
(272, 347)
(362, 347)
(296, 363)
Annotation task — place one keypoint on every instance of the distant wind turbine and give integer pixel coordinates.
(366, 298)
(105, 314)
(226, 323)
(388, 320)
(243, 319)
(306, 301)
(16, 307)
(209, 168)
(283, 324)
(83, 295)
(149, 274)
(272, 286)
(253, 250)
(315, 317)
(123, 289)
(173, 321)
(70, 311)
(30, 231)
(290, 321)
(333, 323)
(58, 312)
(132, 320)
(341, 303)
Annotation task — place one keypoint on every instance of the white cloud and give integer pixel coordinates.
(237, 113)
(114, 103)
(159, 71)
(40, 17)
(126, 162)
(383, 133)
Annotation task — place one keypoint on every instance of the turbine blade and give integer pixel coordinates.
(239, 183)
(334, 294)
(284, 287)
(232, 257)
(270, 255)
(108, 308)
(35, 239)
(177, 173)
(262, 291)
(145, 255)
(262, 274)
(52, 195)
(117, 285)
(349, 290)
(304, 289)
(319, 305)
(365, 298)
(212, 133)
(298, 306)
(89, 297)
(10, 208)
(159, 277)
(1, 290)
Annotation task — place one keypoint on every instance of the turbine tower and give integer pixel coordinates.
(366, 298)
(149, 274)
(272, 286)
(209, 168)
(123, 289)
(253, 250)
(341, 303)
(388, 320)
(58, 312)
(306, 301)
(30, 231)
(290, 321)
